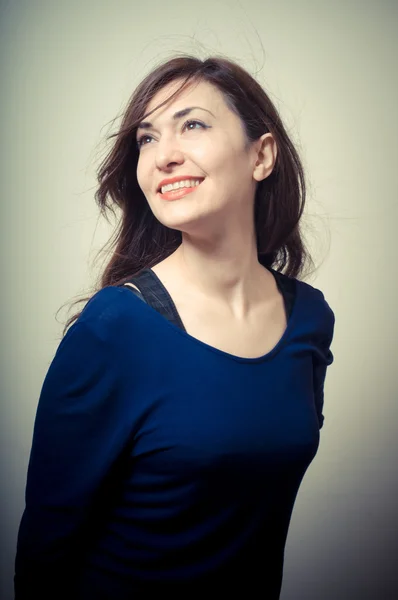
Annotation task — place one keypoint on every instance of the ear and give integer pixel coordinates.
(266, 153)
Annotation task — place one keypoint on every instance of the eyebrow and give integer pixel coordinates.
(178, 115)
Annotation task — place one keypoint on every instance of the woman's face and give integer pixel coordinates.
(212, 150)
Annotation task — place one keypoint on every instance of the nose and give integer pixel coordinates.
(168, 153)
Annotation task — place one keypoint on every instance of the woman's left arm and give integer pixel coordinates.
(321, 361)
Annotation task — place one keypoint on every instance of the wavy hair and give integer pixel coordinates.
(140, 241)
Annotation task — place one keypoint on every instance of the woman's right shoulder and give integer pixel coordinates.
(108, 310)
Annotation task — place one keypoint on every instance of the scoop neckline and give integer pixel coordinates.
(264, 357)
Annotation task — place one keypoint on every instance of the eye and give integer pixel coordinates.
(140, 140)
(186, 124)
(191, 122)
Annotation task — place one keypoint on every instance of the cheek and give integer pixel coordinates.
(201, 154)
(141, 179)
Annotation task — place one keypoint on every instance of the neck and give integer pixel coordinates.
(229, 277)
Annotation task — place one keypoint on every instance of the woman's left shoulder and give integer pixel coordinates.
(317, 295)
(318, 311)
(311, 293)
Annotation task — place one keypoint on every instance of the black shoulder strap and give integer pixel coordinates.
(153, 292)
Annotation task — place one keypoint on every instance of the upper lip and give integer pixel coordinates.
(175, 179)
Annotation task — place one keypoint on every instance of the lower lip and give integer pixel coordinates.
(176, 194)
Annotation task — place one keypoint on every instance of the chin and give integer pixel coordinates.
(184, 223)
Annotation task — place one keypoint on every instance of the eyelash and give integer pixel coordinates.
(189, 122)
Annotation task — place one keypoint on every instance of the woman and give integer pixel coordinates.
(172, 435)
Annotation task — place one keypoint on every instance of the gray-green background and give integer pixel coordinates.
(68, 68)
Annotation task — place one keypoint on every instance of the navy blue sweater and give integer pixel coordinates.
(160, 463)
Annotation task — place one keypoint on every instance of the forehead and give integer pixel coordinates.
(199, 93)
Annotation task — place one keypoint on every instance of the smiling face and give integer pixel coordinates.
(213, 148)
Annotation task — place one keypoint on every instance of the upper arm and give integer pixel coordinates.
(80, 430)
(322, 359)
(319, 376)
(79, 427)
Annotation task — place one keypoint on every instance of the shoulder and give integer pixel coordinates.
(318, 310)
(317, 297)
(311, 293)
(111, 332)
(108, 310)
(311, 301)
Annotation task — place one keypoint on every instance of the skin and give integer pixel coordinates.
(217, 259)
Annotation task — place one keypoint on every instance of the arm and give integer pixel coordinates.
(80, 430)
(321, 360)
(320, 368)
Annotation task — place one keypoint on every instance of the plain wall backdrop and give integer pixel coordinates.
(67, 69)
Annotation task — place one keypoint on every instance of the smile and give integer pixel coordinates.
(174, 192)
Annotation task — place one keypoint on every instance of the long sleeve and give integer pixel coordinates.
(80, 431)
(321, 361)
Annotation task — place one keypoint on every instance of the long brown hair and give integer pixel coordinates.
(140, 240)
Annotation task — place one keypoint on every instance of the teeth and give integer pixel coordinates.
(180, 184)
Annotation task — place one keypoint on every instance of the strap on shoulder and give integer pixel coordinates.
(134, 289)
(151, 291)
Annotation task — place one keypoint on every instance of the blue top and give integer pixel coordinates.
(160, 463)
